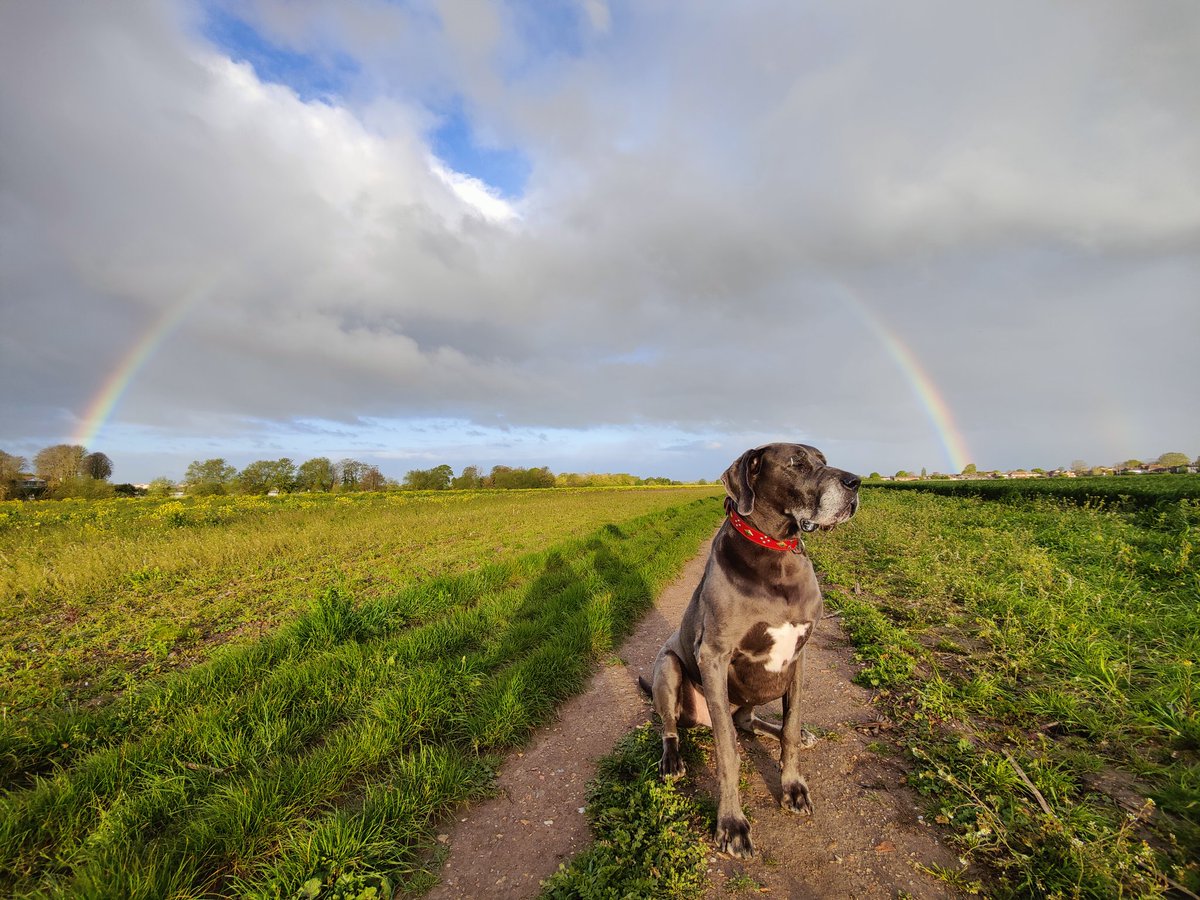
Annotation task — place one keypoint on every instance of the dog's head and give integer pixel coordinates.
(793, 481)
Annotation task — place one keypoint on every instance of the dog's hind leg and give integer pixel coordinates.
(748, 723)
(666, 693)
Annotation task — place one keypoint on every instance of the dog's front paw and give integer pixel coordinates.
(733, 836)
(795, 797)
(671, 765)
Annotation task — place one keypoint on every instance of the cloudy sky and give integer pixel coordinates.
(615, 236)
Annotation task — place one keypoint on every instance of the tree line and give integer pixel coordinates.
(69, 470)
(1172, 460)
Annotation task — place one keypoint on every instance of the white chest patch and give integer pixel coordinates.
(785, 643)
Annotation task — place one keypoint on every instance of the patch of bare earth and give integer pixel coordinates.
(866, 840)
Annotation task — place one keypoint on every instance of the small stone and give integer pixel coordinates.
(885, 847)
(443, 838)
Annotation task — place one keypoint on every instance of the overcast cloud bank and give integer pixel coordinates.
(716, 200)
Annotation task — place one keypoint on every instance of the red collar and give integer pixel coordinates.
(763, 540)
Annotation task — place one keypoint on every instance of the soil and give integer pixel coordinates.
(867, 838)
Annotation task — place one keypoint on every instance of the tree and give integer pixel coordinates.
(350, 473)
(969, 469)
(266, 475)
(901, 474)
(160, 487)
(435, 479)
(468, 480)
(213, 476)
(924, 474)
(60, 462)
(1131, 464)
(1173, 459)
(372, 479)
(874, 476)
(1078, 466)
(510, 478)
(10, 468)
(316, 475)
(97, 466)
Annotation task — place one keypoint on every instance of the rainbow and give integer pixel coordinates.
(930, 398)
(118, 381)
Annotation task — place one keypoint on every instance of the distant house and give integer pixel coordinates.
(1021, 473)
(30, 486)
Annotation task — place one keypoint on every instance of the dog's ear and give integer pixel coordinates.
(739, 480)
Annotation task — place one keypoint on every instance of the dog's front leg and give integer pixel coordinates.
(792, 741)
(733, 830)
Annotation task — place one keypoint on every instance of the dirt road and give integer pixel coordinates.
(866, 840)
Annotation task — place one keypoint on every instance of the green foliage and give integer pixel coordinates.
(508, 478)
(646, 833)
(82, 487)
(266, 475)
(160, 487)
(317, 474)
(470, 479)
(1173, 459)
(435, 479)
(208, 478)
(1044, 637)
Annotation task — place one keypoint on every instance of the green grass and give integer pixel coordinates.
(647, 841)
(101, 594)
(1036, 636)
(316, 760)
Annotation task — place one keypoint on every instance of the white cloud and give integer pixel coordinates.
(700, 178)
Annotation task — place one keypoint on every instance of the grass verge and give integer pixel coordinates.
(1040, 658)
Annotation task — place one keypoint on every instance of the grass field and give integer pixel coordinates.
(280, 698)
(408, 642)
(1041, 659)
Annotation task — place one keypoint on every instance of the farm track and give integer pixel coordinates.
(865, 840)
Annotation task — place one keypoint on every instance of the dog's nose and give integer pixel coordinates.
(851, 481)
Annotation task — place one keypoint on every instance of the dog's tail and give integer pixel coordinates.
(645, 685)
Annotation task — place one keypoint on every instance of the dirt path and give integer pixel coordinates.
(863, 841)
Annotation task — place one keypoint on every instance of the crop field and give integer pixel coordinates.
(1039, 658)
(1126, 491)
(281, 697)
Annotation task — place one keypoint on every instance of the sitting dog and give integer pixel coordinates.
(741, 641)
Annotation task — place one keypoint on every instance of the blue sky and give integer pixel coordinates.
(331, 77)
(594, 235)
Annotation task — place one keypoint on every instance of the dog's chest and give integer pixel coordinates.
(774, 647)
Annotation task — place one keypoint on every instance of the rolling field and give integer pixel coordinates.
(1040, 659)
(407, 641)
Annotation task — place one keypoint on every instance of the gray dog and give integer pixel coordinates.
(741, 641)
